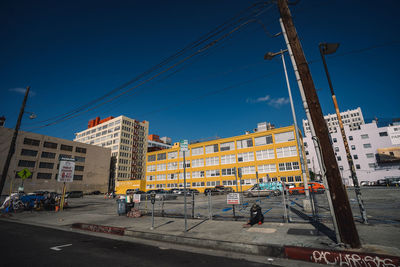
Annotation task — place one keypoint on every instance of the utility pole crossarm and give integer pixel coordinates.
(341, 205)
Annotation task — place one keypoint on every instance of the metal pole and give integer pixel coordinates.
(192, 205)
(184, 189)
(209, 206)
(13, 141)
(313, 134)
(285, 216)
(62, 198)
(303, 166)
(345, 143)
(152, 217)
(237, 186)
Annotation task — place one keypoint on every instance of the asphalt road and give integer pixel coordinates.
(27, 245)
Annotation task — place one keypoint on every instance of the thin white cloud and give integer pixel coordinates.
(21, 90)
(274, 102)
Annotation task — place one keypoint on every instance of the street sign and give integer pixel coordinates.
(233, 198)
(25, 173)
(136, 198)
(66, 170)
(184, 145)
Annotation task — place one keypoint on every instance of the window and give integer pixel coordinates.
(66, 147)
(26, 163)
(383, 134)
(245, 157)
(297, 178)
(265, 154)
(266, 168)
(79, 159)
(79, 168)
(228, 172)
(41, 175)
(367, 145)
(290, 179)
(244, 143)
(284, 137)
(198, 174)
(28, 152)
(151, 168)
(248, 170)
(197, 162)
(211, 149)
(336, 149)
(227, 146)
(172, 155)
(161, 177)
(212, 161)
(46, 165)
(78, 177)
(341, 168)
(358, 166)
(161, 167)
(64, 156)
(197, 151)
(353, 147)
(48, 155)
(350, 138)
(339, 158)
(172, 176)
(187, 163)
(161, 156)
(31, 142)
(263, 140)
(371, 165)
(228, 159)
(283, 152)
(364, 136)
(334, 140)
(289, 166)
(172, 165)
(355, 156)
(80, 150)
(212, 173)
(369, 155)
(151, 158)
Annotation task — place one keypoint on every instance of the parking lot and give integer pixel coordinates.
(382, 206)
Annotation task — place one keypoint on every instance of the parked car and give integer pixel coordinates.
(256, 190)
(74, 194)
(218, 190)
(313, 187)
(193, 191)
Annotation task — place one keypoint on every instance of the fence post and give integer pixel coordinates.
(234, 215)
(192, 205)
(285, 215)
(209, 206)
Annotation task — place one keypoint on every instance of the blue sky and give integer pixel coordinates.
(71, 52)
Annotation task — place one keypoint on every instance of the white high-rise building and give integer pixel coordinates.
(127, 139)
(352, 118)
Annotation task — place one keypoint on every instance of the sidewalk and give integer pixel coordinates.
(268, 239)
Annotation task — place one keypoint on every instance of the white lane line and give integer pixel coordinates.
(58, 248)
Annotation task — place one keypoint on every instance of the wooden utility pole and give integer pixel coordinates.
(345, 222)
(13, 141)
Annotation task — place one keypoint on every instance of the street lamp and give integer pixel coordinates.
(269, 56)
(326, 49)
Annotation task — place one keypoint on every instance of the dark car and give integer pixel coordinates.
(74, 194)
(193, 191)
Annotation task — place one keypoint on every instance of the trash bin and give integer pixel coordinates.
(121, 206)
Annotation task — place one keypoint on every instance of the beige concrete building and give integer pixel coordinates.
(40, 154)
(127, 139)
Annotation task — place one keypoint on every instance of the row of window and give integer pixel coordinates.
(35, 142)
(48, 155)
(44, 165)
(266, 168)
(289, 179)
(281, 152)
(48, 176)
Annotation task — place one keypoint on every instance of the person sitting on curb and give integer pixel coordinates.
(256, 216)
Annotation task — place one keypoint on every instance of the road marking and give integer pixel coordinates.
(58, 248)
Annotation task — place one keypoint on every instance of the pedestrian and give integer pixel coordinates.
(256, 216)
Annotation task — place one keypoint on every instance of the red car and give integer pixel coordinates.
(313, 187)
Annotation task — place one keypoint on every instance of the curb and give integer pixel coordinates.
(261, 250)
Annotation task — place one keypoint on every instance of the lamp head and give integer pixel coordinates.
(329, 48)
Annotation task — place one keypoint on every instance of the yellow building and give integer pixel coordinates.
(269, 154)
